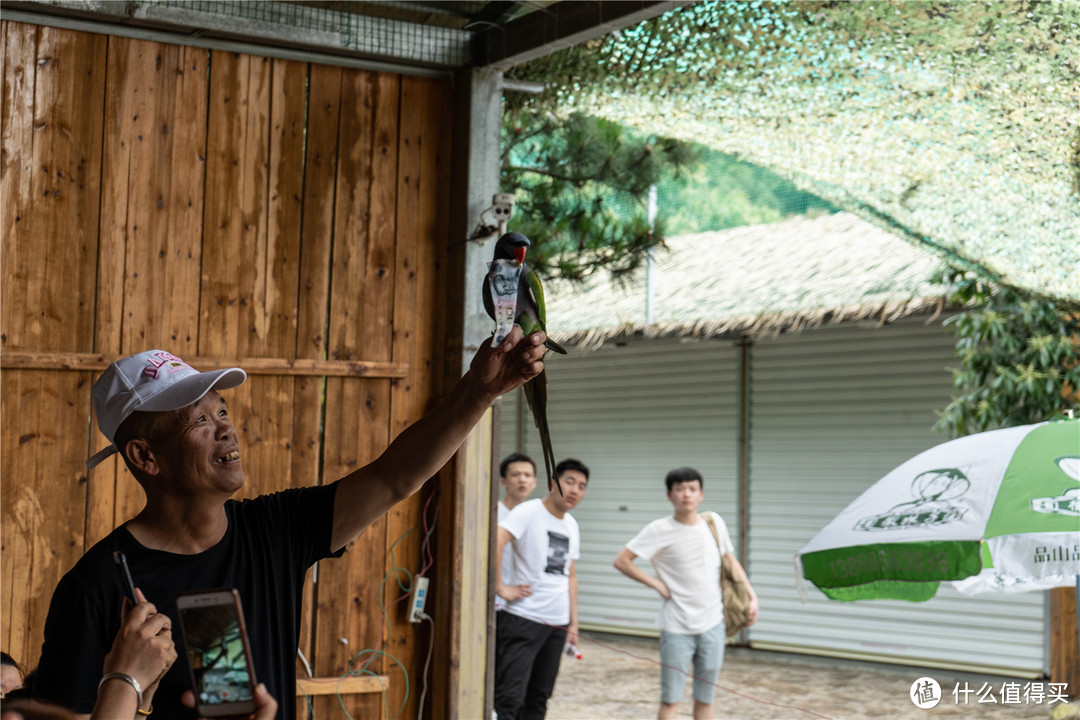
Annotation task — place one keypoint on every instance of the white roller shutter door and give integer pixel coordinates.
(833, 410)
(631, 413)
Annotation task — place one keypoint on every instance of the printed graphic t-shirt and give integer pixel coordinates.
(543, 548)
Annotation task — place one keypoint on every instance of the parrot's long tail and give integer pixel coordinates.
(554, 346)
(536, 395)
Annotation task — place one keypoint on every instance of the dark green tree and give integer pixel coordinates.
(581, 186)
(1019, 356)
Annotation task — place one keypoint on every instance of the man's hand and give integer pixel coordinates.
(517, 360)
(752, 611)
(265, 704)
(144, 646)
(510, 593)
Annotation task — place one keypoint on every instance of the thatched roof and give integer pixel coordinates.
(764, 278)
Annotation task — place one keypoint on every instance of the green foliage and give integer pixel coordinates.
(1019, 357)
(581, 185)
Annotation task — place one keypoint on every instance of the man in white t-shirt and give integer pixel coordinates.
(686, 558)
(517, 475)
(540, 615)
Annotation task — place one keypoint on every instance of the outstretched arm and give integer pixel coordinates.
(425, 446)
(624, 563)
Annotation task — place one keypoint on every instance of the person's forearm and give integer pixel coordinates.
(502, 537)
(626, 566)
(413, 457)
(573, 598)
(424, 447)
(116, 700)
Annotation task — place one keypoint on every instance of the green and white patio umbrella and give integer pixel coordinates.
(996, 511)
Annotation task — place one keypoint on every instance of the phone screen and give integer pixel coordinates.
(217, 651)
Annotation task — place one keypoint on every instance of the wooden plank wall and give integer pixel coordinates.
(221, 206)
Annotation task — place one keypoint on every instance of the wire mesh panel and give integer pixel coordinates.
(423, 36)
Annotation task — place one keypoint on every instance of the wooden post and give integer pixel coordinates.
(1064, 640)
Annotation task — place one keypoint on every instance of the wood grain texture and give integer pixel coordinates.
(1064, 645)
(421, 239)
(53, 82)
(31, 360)
(51, 185)
(237, 211)
(341, 686)
(349, 636)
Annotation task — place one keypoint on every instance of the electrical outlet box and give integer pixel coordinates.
(418, 599)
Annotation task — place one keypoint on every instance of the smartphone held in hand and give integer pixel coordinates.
(218, 652)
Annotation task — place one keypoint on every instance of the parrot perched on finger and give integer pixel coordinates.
(530, 314)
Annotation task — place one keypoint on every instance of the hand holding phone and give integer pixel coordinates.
(218, 652)
(265, 705)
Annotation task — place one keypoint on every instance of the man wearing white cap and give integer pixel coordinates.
(172, 428)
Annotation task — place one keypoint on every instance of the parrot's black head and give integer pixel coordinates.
(512, 246)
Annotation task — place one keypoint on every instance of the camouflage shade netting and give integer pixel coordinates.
(953, 124)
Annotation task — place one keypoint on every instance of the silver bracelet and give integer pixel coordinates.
(126, 678)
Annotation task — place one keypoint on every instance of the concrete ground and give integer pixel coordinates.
(619, 677)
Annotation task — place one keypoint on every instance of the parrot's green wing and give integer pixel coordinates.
(536, 299)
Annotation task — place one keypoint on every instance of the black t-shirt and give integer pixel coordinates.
(270, 543)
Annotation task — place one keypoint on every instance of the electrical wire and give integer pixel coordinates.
(582, 636)
(427, 663)
(425, 546)
(307, 665)
(406, 588)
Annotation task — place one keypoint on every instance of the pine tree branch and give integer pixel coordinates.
(547, 173)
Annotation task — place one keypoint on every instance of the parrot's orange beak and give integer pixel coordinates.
(519, 255)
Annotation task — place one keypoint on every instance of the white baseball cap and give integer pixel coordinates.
(151, 381)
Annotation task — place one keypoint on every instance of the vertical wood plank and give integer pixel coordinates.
(43, 497)
(421, 235)
(272, 406)
(357, 411)
(234, 273)
(320, 175)
(158, 120)
(17, 137)
(52, 115)
(1064, 650)
(285, 201)
(152, 200)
